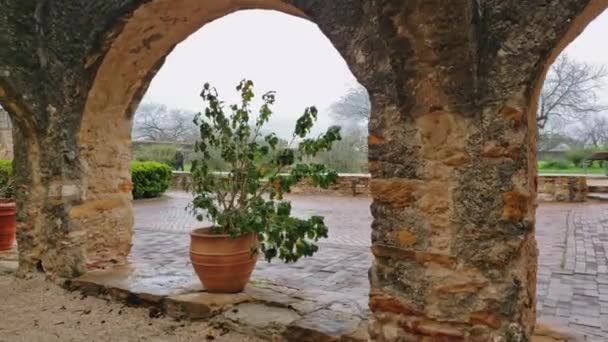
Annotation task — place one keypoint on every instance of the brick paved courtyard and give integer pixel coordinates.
(572, 239)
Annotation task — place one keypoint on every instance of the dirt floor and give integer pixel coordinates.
(36, 310)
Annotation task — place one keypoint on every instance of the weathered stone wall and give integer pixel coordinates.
(181, 181)
(559, 188)
(453, 86)
(562, 188)
(347, 185)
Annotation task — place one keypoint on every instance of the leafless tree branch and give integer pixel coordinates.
(570, 92)
(593, 131)
(158, 123)
(353, 108)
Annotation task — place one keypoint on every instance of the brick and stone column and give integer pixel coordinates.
(452, 156)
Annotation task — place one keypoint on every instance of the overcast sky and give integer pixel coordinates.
(287, 54)
(277, 51)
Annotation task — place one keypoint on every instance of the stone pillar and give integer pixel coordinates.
(45, 76)
(452, 156)
(47, 185)
(73, 197)
(453, 230)
(106, 211)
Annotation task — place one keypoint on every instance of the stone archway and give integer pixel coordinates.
(131, 62)
(452, 141)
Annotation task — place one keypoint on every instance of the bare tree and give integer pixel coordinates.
(353, 108)
(148, 122)
(593, 131)
(182, 127)
(156, 122)
(570, 92)
(352, 112)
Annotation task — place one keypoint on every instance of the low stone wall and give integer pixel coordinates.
(550, 188)
(562, 188)
(181, 181)
(347, 185)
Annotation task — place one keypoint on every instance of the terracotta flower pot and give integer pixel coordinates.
(223, 264)
(7, 225)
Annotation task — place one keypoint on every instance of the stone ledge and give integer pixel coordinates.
(263, 309)
(9, 261)
(327, 325)
(267, 310)
(8, 267)
(201, 305)
(598, 196)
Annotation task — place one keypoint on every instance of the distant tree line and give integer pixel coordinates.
(570, 111)
(158, 123)
(570, 108)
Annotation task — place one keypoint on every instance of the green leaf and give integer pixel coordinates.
(242, 200)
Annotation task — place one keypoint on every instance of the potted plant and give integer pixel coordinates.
(7, 214)
(245, 204)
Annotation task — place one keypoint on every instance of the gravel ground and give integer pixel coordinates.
(36, 310)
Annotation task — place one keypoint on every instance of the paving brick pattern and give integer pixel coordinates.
(572, 284)
(573, 266)
(347, 217)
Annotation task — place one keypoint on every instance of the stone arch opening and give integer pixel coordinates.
(105, 148)
(151, 222)
(132, 60)
(126, 71)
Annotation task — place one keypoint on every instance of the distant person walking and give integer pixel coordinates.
(179, 161)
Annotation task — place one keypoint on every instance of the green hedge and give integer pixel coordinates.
(6, 169)
(554, 164)
(150, 179)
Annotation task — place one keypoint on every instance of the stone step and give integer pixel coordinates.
(8, 261)
(598, 196)
(264, 310)
(603, 189)
(8, 267)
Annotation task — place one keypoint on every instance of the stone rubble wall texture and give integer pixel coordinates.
(453, 87)
(562, 189)
(346, 185)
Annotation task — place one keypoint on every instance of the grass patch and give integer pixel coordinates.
(572, 170)
(566, 167)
